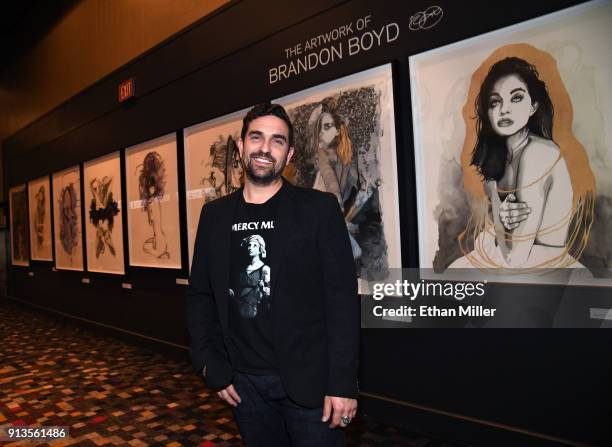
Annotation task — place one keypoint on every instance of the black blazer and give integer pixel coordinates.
(315, 306)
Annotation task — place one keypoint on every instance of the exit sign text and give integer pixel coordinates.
(126, 90)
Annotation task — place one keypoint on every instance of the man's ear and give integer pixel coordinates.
(534, 107)
(240, 146)
(290, 154)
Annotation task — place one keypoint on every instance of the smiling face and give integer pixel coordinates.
(510, 106)
(329, 130)
(265, 149)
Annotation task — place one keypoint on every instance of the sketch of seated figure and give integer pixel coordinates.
(151, 186)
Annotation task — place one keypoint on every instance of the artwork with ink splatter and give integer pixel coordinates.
(345, 144)
(41, 248)
(510, 129)
(67, 222)
(212, 165)
(19, 226)
(153, 209)
(104, 220)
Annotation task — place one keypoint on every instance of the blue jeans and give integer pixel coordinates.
(268, 417)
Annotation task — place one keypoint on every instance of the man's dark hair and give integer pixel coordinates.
(265, 109)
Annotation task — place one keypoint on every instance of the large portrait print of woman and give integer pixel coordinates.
(345, 145)
(520, 158)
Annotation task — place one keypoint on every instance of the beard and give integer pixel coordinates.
(264, 177)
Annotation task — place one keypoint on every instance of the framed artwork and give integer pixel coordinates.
(67, 225)
(212, 166)
(513, 156)
(153, 208)
(18, 209)
(39, 195)
(3, 216)
(345, 144)
(103, 219)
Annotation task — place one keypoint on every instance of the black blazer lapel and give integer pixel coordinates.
(283, 224)
(222, 259)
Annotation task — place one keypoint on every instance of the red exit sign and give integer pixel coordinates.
(126, 90)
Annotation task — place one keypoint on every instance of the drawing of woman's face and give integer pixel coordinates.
(510, 106)
(253, 248)
(329, 130)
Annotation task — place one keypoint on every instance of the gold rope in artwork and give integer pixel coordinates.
(582, 216)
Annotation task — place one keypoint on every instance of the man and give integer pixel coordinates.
(288, 366)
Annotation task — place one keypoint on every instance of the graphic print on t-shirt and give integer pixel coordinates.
(252, 291)
(253, 256)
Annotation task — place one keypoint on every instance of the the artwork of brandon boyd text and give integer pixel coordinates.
(39, 195)
(67, 225)
(104, 221)
(212, 165)
(510, 128)
(153, 207)
(345, 145)
(18, 203)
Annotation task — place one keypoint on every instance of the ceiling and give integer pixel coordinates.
(24, 22)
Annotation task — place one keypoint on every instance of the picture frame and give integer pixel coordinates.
(39, 201)
(213, 167)
(104, 221)
(151, 174)
(359, 145)
(67, 222)
(461, 224)
(18, 210)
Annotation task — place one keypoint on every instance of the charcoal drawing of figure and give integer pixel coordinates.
(68, 219)
(102, 212)
(254, 281)
(532, 177)
(151, 187)
(336, 151)
(19, 225)
(223, 172)
(39, 217)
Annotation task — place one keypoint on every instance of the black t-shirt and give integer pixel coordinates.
(250, 323)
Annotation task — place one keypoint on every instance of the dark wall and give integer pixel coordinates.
(543, 381)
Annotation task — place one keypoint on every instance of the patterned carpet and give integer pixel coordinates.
(110, 393)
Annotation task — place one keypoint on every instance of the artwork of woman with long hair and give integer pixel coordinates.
(344, 134)
(331, 147)
(529, 176)
(151, 186)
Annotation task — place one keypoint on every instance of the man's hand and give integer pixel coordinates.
(512, 213)
(230, 396)
(341, 406)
